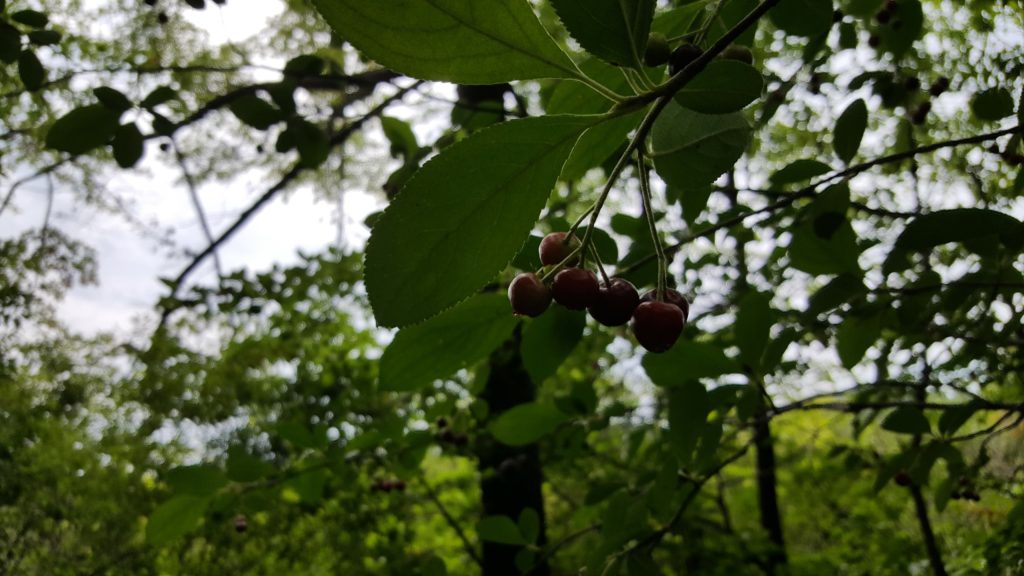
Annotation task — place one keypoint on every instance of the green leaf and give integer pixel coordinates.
(862, 8)
(113, 99)
(31, 70)
(129, 145)
(304, 65)
(598, 144)
(451, 40)
(753, 323)
(849, 130)
(434, 566)
(528, 258)
(688, 409)
(311, 142)
(730, 13)
(907, 420)
(526, 423)
(198, 480)
(44, 37)
(676, 22)
(244, 467)
(549, 339)
(31, 18)
(464, 215)
(724, 86)
(687, 360)
(825, 243)
(160, 95)
(255, 111)
(10, 43)
(500, 529)
(992, 104)
(614, 30)
(799, 171)
(529, 525)
(309, 485)
(839, 291)
(802, 17)
(175, 518)
(953, 419)
(692, 149)
(446, 343)
(83, 129)
(855, 335)
(956, 225)
(899, 39)
(399, 133)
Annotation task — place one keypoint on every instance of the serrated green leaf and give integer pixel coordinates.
(992, 104)
(113, 99)
(692, 149)
(955, 225)
(83, 129)
(31, 70)
(128, 145)
(687, 360)
(854, 337)
(549, 339)
(450, 40)
(175, 518)
(500, 529)
(723, 86)
(31, 18)
(309, 485)
(399, 133)
(198, 480)
(799, 171)
(802, 17)
(464, 216)
(676, 22)
(446, 343)
(244, 467)
(907, 420)
(614, 30)
(753, 323)
(688, 409)
(849, 130)
(730, 12)
(833, 255)
(255, 111)
(526, 423)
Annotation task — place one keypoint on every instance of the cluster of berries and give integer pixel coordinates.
(656, 324)
(387, 485)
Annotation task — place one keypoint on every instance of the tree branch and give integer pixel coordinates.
(197, 205)
(467, 545)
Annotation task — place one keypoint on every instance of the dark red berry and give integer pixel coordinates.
(912, 84)
(528, 295)
(874, 41)
(162, 18)
(672, 297)
(682, 56)
(902, 478)
(994, 149)
(554, 248)
(657, 325)
(575, 288)
(883, 17)
(837, 15)
(739, 53)
(615, 303)
(241, 524)
(939, 86)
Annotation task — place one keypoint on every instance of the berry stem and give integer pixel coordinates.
(645, 196)
(558, 267)
(600, 266)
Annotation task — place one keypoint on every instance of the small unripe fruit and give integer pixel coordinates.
(672, 297)
(528, 295)
(575, 288)
(657, 325)
(902, 478)
(738, 53)
(658, 50)
(682, 56)
(554, 248)
(616, 303)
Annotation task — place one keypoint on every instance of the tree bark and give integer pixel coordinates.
(768, 498)
(511, 477)
(930, 544)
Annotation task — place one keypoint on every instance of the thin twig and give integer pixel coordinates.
(197, 204)
(467, 545)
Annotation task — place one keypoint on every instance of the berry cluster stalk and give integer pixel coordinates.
(645, 196)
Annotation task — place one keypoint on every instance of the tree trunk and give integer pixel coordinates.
(768, 498)
(511, 477)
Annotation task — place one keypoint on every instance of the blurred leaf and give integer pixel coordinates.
(83, 129)
(688, 360)
(31, 71)
(724, 86)
(609, 29)
(113, 99)
(549, 339)
(175, 518)
(992, 104)
(199, 480)
(529, 525)
(753, 324)
(500, 529)
(849, 130)
(802, 17)
(799, 171)
(129, 145)
(255, 111)
(31, 18)
(907, 420)
(855, 335)
(526, 423)
(688, 409)
(692, 149)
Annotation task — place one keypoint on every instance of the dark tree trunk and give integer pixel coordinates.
(510, 477)
(768, 498)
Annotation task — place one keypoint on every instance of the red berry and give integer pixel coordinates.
(657, 325)
(902, 478)
(672, 297)
(528, 295)
(615, 303)
(575, 288)
(554, 248)
(241, 524)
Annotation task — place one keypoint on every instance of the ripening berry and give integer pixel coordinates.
(615, 303)
(575, 288)
(556, 247)
(528, 295)
(657, 325)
